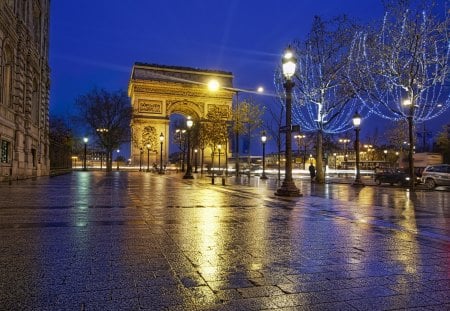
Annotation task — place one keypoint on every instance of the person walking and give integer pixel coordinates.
(312, 172)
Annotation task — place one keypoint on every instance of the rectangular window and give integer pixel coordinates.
(4, 151)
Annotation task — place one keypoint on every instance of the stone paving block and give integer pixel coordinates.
(249, 304)
(442, 296)
(202, 296)
(293, 300)
(260, 291)
(305, 287)
(227, 294)
(161, 302)
(373, 291)
(229, 284)
(192, 280)
(443, 307)
(394, 302)
(125, 293)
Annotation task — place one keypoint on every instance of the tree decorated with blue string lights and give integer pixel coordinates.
(324, 101)
(400, 70)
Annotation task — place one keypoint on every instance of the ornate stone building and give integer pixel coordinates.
(158, 91)
(24, 88)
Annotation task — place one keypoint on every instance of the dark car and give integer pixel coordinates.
(393, 177)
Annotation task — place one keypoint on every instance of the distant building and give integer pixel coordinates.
(24, 88)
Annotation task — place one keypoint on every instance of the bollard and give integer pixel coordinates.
(223, 181)
(212, 181)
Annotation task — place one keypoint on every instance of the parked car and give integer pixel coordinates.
(436, 175)
(394, 177)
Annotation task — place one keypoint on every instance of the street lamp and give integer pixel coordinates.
(409, 104)
(385, 154)
(85, 139)
(220, 151)
(344, 141)
(299, 138)
(148, 157)
(188, 174)
(356, 124)
(161, 140)
(288, 187)
(263, 141)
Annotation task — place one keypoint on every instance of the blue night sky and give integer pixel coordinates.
(96, 42)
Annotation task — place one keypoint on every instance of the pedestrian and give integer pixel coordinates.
(312, 172)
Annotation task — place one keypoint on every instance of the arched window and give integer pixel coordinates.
(35, 102)
(2, 62)
(6, 77)
(37, 24)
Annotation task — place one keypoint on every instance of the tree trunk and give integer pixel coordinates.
(279, 158)
(320, 176)
(109, 160)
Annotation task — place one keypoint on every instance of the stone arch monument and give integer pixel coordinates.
(158, 91)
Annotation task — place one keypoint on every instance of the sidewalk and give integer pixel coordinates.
(142, 241)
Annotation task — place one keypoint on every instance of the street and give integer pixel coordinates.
(143, 241)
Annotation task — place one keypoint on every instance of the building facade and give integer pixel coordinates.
(24, 88)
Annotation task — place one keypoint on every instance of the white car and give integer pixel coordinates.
(436, 175)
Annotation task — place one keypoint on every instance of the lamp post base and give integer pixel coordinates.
(288, 189)
(263, 176)
(161, 172)
(188, 175)
(358, 183)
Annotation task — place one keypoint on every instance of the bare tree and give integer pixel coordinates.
(273, 125)
(443, 143)
(61, 143)
(250, 119)
(215, 130)
(109, 111)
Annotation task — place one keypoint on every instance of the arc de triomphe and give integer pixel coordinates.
(158, 91)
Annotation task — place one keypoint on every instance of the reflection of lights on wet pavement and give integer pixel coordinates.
(151, 241)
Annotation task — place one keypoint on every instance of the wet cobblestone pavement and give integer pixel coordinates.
(140, 241)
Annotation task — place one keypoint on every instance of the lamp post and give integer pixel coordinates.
(356, 124)
(335, 156)
(117, 159)
(288, 187)
(220, 151)
(85, 139)
(344, 141)
(409, 104)
(188, 174)
(180, 133)
(299, 138)
(195, 160)
(263, 141)
(140, 159)
(385, 155)
(161, 140)
(148, 157)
